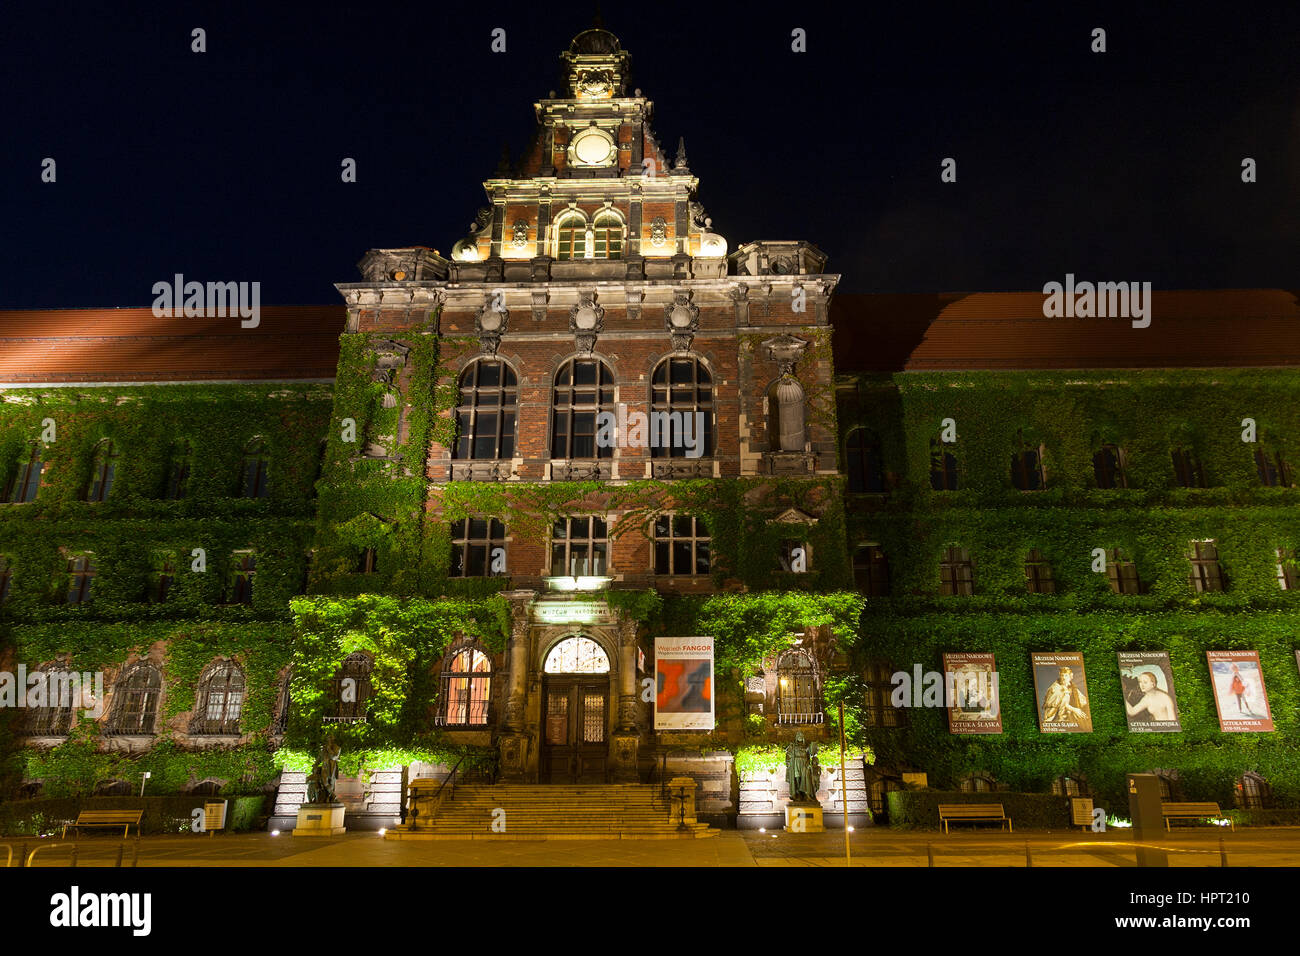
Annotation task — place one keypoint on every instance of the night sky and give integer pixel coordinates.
(1122, 166)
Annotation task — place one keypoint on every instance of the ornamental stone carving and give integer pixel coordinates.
(682, 319)
(658, 232)
(586, 321)
(785, 351)
(520, 237)
(490, 323)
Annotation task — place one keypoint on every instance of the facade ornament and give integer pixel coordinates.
(785, 351)
(586, 321)
(490, 323)
(658, 232)
(520, 237)
(680, 165)
(634, 297)
(682, 319)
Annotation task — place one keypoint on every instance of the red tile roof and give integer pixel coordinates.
(1007, 330)
(291, 343)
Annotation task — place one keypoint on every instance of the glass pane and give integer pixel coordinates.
(661, 526)
(489, 374)
(584, 372)
(682, 526)
(702, 558)
(662, 565)
(598, 527)
(478, 527)
(682, 557)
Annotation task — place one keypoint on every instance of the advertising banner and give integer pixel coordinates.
(1061, 690)
(683, 683)
(973, 696)
(1148, 686)
(1239, 693)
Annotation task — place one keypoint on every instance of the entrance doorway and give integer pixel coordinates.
(575, 713)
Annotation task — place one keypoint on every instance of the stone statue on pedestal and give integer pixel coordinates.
(800, 769)
(324, 776)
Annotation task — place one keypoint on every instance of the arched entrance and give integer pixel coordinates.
(575, 712)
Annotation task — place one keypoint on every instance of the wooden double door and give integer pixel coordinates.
(575, 715)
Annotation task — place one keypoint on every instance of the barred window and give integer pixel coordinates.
(1253, 792)
(1108, 467)
(579, 546)
(1122, 573)
(977, 783)
(27, 479)
(794, 556)
(135, 700)
(1027, 468)
(220, 700)
(353, 688)
(243, 568)
(681, 545)
(583, 389)
(81, 578)
(871, 570)
(798, 695)
(485, 418)
(1187, 469)
(102, 470)
(466, 686)
(256, 468)
(1288, 569)
(1067, 786)
(863, 461)
(943, 466)
(1274, 472)
(956, 573)
(879, 711)
(880, 789)
(477, 545)
(55, 717)
(681, 388)
(1038, 574)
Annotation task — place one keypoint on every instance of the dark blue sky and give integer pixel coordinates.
(225, 165)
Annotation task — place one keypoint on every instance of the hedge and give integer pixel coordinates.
(161, 814)
(919, 809)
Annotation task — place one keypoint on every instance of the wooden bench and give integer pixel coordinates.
(107, 818)
(973, 813)
(1192, 811)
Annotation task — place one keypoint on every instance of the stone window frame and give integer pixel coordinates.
(799, 705)
(701, 379)
(50, 720)
(576, 235)
(225, 678)
(1206, 570)
(695, 537)
(504, 439)
(591, 540)
(358, 666)
(464, 538)
(476, 705)
(565, 406)
(137, 701)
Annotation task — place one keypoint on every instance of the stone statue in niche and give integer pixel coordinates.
(801, 769)
(323, 781)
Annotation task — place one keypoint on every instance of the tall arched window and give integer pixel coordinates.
(584, 387)
(681, 406)
(1253, 792)
(102, 469)
(27, 479)
(135, 701)
(220, 700)
(862, 461)
(798, 697)
(352, 688)
(485, 419)
(466, 686)
(255, 478)
(607, 236)
(54, 717)
(571, 236)
(785, 415)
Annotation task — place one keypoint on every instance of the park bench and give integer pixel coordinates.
(107, 818)
(1192, 811)
(973, 813)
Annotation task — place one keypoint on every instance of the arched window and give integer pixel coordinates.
(255, 470)
(27, 479)
(871, 570)
(785, 415)
(978, 782)
(1067, 786)
(943, 465)
(880, 711)
(466, 686)
(54, 717)
(577, 655)
(208, 788)
(1274, 472)
(485, 419)
(135, 700)
(178, 471)
(863, 461)
(584, 387)
(1108, 467)
(798, 696)
(1038, 573)
(1168, 780)
(1187, 468)
(571, 236)
(1253, 792)
(1027, 468)
(220, 700)
(352, 688)
(607, 236)
(681, 409)
(102, 469)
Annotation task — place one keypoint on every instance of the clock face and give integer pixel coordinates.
(593, 147)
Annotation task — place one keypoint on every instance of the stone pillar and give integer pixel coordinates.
(515, 742)
(625, 744)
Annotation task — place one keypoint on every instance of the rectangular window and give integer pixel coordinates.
(871, 570)
(681, 545)
(478, 548)
(244, 567)
(579, 547)
(1288, 569)
(6, 575)
(164, 575)
(956, 573)
(1038, 574)
(1122, 573)
(81, 577)
(1207, 575)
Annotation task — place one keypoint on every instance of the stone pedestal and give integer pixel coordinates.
(623, 749)
(803, 818)
(514, 757)
(320, 820)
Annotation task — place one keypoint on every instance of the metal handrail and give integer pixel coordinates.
(76, 849)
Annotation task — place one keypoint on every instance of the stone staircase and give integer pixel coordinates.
(555, 812)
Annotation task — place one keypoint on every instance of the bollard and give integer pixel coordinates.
(1029, 860)
(1223, 853)
(929, 852)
